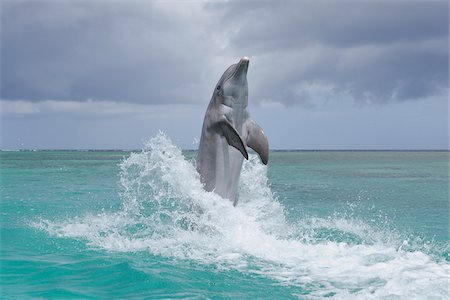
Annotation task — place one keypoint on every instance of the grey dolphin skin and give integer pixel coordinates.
(227, 131)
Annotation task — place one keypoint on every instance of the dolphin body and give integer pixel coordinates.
(227, 130)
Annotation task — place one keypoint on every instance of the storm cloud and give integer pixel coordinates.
(164, 53)
(115, 51)
(370, 51)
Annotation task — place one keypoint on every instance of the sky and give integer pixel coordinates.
(323, 74)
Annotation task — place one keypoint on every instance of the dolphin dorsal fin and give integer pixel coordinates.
(227, 130)
(257, 140)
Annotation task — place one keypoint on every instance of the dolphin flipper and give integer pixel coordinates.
(257, 140)
(232, 136)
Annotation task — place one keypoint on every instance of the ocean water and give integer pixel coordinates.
(311, 225)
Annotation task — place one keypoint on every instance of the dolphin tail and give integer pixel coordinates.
(257, 140)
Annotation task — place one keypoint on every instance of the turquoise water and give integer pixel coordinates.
(344, 225)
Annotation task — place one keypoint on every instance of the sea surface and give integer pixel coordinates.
(311, 225)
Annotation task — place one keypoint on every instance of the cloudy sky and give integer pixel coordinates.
(323, 74)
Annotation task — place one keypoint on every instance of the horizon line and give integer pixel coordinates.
(190, 149)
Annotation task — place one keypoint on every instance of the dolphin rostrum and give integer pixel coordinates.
(227, 130)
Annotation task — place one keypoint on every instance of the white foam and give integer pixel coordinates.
(167, 212)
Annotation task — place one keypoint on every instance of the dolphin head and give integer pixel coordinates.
(232, 88)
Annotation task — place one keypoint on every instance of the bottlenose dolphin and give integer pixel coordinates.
(227, 130)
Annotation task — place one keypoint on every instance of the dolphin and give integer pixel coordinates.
(227, 131)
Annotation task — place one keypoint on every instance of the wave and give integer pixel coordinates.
(167, 212)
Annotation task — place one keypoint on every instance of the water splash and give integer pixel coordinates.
(166, 212)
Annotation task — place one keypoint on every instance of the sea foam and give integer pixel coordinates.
(167, 212)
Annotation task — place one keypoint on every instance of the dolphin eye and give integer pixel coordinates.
(218, 87)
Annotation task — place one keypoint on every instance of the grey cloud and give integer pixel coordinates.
(284, 24)
(137, 52)
(370, 51)
(152, 52)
